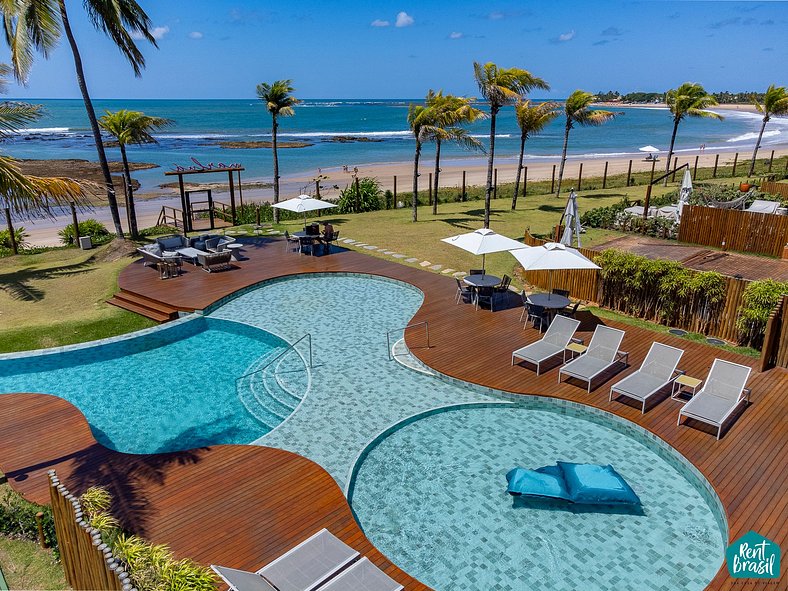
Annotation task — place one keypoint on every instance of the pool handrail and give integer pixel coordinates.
(290, 347)
(415, 324)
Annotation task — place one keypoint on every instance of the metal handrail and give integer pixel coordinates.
(415, 324)
(282, 354)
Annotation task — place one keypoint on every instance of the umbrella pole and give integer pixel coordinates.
(550, 275)
(484, 266)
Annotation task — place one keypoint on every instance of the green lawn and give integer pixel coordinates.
(27, 566)
(58, 297)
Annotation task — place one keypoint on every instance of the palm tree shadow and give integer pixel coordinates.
(17, 283)
(461, 223)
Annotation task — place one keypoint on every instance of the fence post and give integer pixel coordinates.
(395, 191)
(604, 177)
(75, 222)
(40, 525)
(525, 180)
(463, 197)
(695, 168)
(552, 182)
(771, 161)
(580, 177)
(429, 190)
(735, 161)
(629, 174)
(716, 161)
(12, 236)
(495, 185)
(675, 164)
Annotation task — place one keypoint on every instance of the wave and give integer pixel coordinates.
(340, 133)
(754, 136)
(195, 136)
(42, 130)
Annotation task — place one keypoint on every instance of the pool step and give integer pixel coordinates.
(144, 306)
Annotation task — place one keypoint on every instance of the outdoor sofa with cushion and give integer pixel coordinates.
(152, 255)
(210, 242)
(215, 261)
(657, 371)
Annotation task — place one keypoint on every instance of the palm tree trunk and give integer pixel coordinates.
(519, 170)
(274, 126)
(437, 172)
(563, 156)
(490, 159)
(130, 211)
(757, 145)
(416, 181)
(94, 126)
(670, 150)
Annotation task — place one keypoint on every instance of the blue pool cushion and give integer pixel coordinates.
(591, 484)
(542, 482)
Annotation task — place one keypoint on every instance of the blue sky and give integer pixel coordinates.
(401, 48)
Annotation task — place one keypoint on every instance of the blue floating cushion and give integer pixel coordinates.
(597, 485)
(543, 482)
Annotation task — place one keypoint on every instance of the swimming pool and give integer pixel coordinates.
(165, 389)
(431, 496)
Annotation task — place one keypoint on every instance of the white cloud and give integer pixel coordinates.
(456, 35)
(379, 23)
(404, 19)
(195, 35)
(567, 36)
(496, 15)
(157, 33)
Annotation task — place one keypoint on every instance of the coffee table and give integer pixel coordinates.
(235, 250)
(190, 254)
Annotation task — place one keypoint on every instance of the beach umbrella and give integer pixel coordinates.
(685, 191)
(648, 149)
(571, 221)
(550, 257)
(483, 242)
(303, 204)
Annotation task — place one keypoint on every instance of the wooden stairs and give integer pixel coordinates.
(145, 306)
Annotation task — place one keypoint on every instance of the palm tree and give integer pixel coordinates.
(420, 122)
(577, 111)
(131, 127)
(37, 25)
(450, 112)
(688, 100)
(500, 87)
(775, 102)
(531, 119)
(279, 102)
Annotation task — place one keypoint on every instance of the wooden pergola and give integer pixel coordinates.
(230, 170)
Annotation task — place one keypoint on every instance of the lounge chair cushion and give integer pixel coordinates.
(590, 484)
(542, 482)
(199, 245)
(212, 243)
(171, 242)
(154, 249)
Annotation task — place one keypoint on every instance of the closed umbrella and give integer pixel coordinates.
(484, 241)
(550, 257)
(685, 191)
(303, 204)
(571, 221)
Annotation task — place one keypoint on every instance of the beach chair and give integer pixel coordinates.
(763, 206)
(722, 392)
(603, 352)
(302, 568)
(362, 576)
(657, 371)
(554, 341)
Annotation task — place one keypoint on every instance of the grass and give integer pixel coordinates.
(59, 297)
(28, 566)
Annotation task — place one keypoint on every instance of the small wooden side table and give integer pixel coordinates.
(684, 381)
(575, 348)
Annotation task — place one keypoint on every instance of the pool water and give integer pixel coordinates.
(169, 389)
(431, 496)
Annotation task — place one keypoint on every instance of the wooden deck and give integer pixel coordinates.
(243, 506)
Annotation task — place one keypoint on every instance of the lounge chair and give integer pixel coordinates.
(763, 206)
(214, 261)
(303, 568)
(554, 341)
(362, 576)
(657, 371)
(601, 355)
(722, 392)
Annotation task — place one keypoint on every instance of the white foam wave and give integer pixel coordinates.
(754, 136)
(189, 136)
(344, 133)
(42, 130)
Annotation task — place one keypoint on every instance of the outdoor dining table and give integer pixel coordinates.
(549, 301)
(310, 239)
(482, 280)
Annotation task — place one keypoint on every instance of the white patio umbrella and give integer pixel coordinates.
(550, 257)
(571, 221)
(648, 149)
(303, 204)
(685, 191)
(484, 241)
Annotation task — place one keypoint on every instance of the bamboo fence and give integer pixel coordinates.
(773, 188)
(775, 342)
(87, 561)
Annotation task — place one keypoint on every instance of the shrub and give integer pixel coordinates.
(758, 301)
(360, 197)
(90, 227)
(158, 231)
(389, 199)
(19, 233)
(604, 217)
(18, 518)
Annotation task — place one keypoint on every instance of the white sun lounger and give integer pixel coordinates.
(242, 580)
(554, 341)
(763, 206)
(602, 354)
(657, 371)
(362, 576)
(303, 568)
(723, 390)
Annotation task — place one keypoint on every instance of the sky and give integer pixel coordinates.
(402, 48)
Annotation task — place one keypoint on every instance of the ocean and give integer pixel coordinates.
(373, 131)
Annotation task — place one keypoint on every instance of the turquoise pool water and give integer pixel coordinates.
(431, 496)
(168, 389)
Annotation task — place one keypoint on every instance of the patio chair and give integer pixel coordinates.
(503, 286)
(485, 295)
(464, 292)
(763, 206)
(362, 576)
(328, 239)
(291, 242)
(303, 568)
(536, 314)
(569, 311)
(214, 261)
(476, 272)
(554, 341)
(657, 371)
(561, 292)
(722, 392)
(601, 355)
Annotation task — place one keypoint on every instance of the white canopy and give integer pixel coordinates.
(484, 241)
(303, 204)
(550, 257)
(648, 149)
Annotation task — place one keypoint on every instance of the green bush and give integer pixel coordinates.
(90, 227)
(360, 197)
(19, 233)
(604, 217)
(158, 231)
(758, 301)
(18, 518)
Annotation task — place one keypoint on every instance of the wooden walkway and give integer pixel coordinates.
(242, 505)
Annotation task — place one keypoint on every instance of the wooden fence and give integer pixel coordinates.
(773, 188)
(775, 342)
(587, 285)
(87, 561)
(731, 229)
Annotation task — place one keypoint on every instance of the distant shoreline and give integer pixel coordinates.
(741, 107)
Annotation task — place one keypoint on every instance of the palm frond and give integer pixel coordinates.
(132, 127)
(534, 118)
(775, 101)
(122, 21)
(278, 97)
(14, 115)
(29, 194)
(589, 118)
(502, 86)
